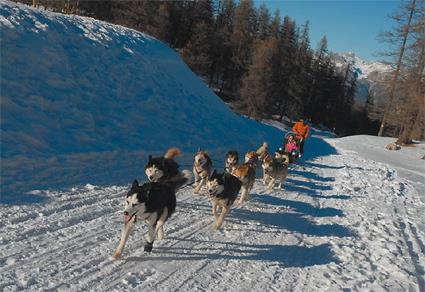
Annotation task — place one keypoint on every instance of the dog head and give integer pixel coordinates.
(135, 200)
(281, 156)
(201, 158)
(267, 162)
(232, 158)
(251, 157)
(262, 151)
(215, 184)
(154, 168)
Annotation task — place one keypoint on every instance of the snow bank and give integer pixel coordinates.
(86, 101)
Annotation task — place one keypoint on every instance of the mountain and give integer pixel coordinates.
(369, 75)
(86, 101)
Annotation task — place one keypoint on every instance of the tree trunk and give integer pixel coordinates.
(397, 71)
(405, 137)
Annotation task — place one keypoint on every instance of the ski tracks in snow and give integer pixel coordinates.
(339, 222)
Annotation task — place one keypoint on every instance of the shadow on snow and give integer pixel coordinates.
(300, 207)
(285, 255)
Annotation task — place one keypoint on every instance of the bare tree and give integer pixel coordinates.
(415, 84)
(402, 34)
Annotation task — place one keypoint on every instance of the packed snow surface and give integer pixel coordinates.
(340, 222)
(345, 218)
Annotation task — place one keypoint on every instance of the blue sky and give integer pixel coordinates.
(349, 25)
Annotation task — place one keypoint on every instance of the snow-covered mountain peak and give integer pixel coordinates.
(361, 67)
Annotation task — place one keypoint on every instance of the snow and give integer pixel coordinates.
(340, 222)
(84, 101)
(362, 67)
(349, 216)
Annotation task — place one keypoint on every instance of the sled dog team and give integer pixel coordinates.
(155, 201)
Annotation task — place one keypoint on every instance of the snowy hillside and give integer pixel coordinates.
(84, 101)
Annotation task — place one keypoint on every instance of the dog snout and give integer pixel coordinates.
(151, 177)
(210, 191)
(125, 213)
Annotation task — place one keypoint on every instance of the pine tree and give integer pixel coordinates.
(304, 58)
(275, 25)
(244, 29)
(258, 83)
(222, 44)
(264, 25)
(198, 52)
(288, 101)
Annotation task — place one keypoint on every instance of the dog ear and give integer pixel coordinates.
(213, 174)
(135, 183)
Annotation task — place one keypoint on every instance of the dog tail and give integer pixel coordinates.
(185, 177)
(263, 149)
(172, 152)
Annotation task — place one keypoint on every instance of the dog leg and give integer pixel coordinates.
(159, 229)
(242, 199)
(220, 220)
(201, 183)
(197, 182)
(160, 233)
(124, 237)
(271, 184)
(214, 210)
(264, 177)
(150, 237)
(267, 179)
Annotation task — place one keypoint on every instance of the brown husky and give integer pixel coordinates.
(274, 169)
(202, 166)
(246, 174)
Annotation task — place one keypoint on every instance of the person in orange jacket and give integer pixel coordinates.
(301, 129)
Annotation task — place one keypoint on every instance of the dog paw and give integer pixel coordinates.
(148, 246)
(160, 236)
(116, 256)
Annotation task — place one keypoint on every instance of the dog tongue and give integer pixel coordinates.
(127, 218)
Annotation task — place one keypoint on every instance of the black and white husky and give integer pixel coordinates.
(223, 189)
(231, 161)
(153, 202)
(160, 169)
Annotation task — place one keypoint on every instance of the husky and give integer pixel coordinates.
(153, 202)
(223, 189)
(246, 174)
(202, 166)
(231, 161)
(262, 151)
(251, 157)
(282, 156)
(160, 169)
(274, 169)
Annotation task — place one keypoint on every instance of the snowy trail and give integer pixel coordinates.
(339, 222)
